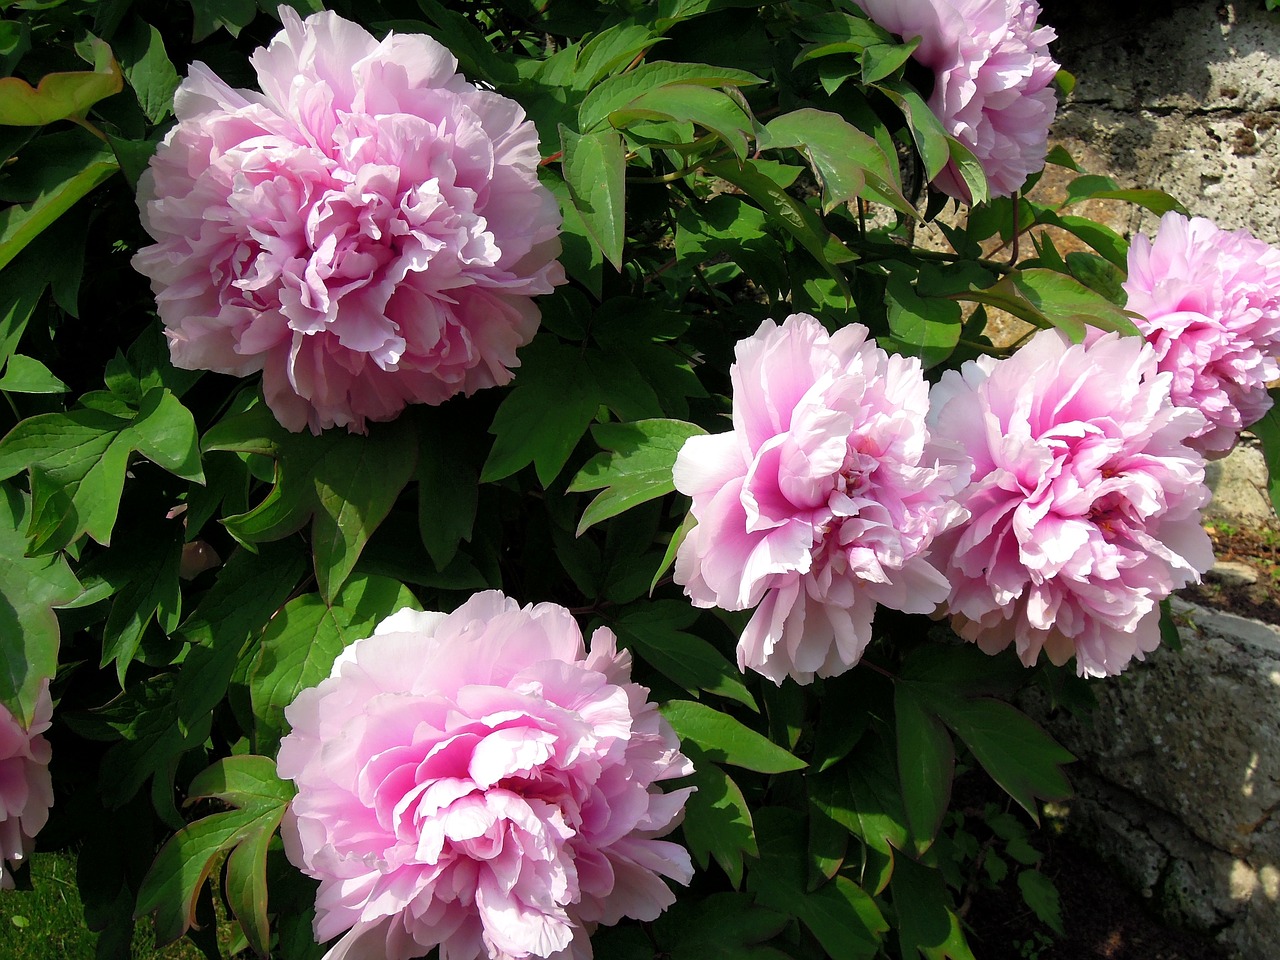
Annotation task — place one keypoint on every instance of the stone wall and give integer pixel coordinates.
(1180, 781)
(1183, 96)
(1180, 776)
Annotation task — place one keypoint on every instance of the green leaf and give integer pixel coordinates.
(705, 106)
(1014, 750)
(22, 284)
(798, 220)
(636, 469)
(595, 171)
(249, 590)
(580, 253)
(928, 328)
(29, 589)
(58, 170)
(616, 92)
(843, 916)
(726, 740)
(717, 821)
(1103, 239)
(477, 56)
(673, 547)
(246, 889)
(828, 847)
(864, 795)
(842, 28)
(247, 781)
(145, 721)
(927, 131)
(721, 926)
(609, 50)
(149, 71)
(926, 765)
(346, 481)
(178, 874)
(1047, 298)
(212, 15)
(1267, 430)
(1061, 298)
(1093, 187)
(354, 495)
(970, 169)
(78, 460)
(730, 227)
(846, 161)
(151, 588)
(60, 95)
(1099, 275)
(656, 631)
(540, 422)
(961, 669)
(303, 639)
(1059, 156)
(75, 484)
(1042, 897)
(448, 491)
(26, 375)
(926, 921)
(838, 729)
(165, 433)
(879, 60)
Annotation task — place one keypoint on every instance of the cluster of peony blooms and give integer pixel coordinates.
(26, 792)
(992, 76)
(1049, 500)
(368, 231)
(477, 781)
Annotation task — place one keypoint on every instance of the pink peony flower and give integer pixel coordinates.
(367, 231)
(1210, 303)
(1084, 504)
(478, 781)
(822, 500)
(992, 81)
(26, 792)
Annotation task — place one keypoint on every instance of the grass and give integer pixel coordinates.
(47, 922)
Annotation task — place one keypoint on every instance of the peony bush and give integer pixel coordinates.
(360, 362)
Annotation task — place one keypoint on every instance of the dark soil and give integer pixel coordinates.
(1261, 551)
(1101, 916)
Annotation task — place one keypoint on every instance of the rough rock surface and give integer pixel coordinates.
(1179, 784)
(1183, 96)
(1239, 485)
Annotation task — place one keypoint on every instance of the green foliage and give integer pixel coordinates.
(180, 566)
(171, 887)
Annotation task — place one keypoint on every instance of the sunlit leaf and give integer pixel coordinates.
(594, 167)
(60, 95)
(726, 740)
(29, 589)
(637, 467)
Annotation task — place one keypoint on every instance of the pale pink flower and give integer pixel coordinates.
(1084, 504)
(822, 500)
(26, 792)
(478, 781)
(993, 80)
(1210, 305)
(367, 231)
